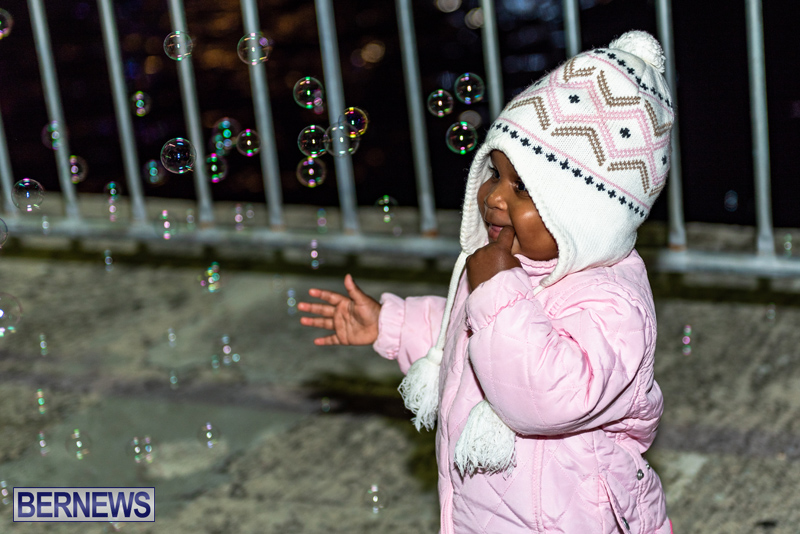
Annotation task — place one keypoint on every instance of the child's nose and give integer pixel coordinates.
(494, 198)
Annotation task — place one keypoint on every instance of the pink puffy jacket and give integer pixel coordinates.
(570, 370)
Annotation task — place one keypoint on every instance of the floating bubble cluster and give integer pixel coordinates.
(291, 301)
(341, 139)
(469, 88)
(112, 192)
(40, 402)
(314, 253)
(225, 356)
(216, 167)
(686, 340)
(166, 224)
(41, 440)
(358, 119)
(6, 23)
(3, 232)
(51, 135)
(5, 493)
(10, 314)
(141, 102)
(375, 499)
(248, 142)
(311, 141)
(311, 172)
(178, 45)
(224, 135)
(78, 444)
(461, 138)
(254, 48)
(440, 103)
(77, 169)
(308, 93)
(211, 279)
(42, 345)
(178, 155)
(142, 450)
(27, 194)
(386, 205)
(153, 173)
(209, 435)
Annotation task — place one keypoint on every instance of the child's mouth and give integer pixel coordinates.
(494, 231)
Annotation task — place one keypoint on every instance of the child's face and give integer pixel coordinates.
(503, 201)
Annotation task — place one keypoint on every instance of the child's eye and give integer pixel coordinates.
(520, 185)
(495, 174)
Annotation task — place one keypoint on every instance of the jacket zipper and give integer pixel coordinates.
(538, 453)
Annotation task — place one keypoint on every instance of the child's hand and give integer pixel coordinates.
(491, 259)
(354, 320)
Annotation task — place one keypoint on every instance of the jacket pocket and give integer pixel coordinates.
(622, 503)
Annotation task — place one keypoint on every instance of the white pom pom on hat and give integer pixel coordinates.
(642, 45)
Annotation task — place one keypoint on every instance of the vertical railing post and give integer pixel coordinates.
(331, 69)
(122, 109)
(765, 244)
(263, 112)
(47, 68)
(6, 174)
(416, 118)
(677, 229)
(572, 27)
(491, 59)
(191, 111)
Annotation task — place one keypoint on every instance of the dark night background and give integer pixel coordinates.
(712, 92)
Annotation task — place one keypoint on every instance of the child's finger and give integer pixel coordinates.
(327, 340)
(353, 290)
(317, 322)
(328, 296)
(325, 310)
(506, 237)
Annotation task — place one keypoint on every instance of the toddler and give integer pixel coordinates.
(541, 374)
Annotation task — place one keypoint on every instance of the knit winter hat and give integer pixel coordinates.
(591, 142)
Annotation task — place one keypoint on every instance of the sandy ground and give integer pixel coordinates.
(306, 432)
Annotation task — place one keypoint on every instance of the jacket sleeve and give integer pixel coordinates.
(546, 377)
(408, 328)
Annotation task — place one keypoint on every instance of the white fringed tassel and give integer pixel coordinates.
(486, 444)
(420, 389)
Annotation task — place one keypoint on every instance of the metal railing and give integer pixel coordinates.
(676, 257)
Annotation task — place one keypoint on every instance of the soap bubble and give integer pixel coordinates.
(6, 491)
(254, 48)
(731, 201)
(248, 142)
(469, 88)
(178, 155)
(322, 221)
(10, 314)
(40, 402)
(77, 169)
(686, 340)
(27, 194)
(45, 225)
(211, 279)
(375, 499)
(209, 435)
(142, 450)
(51, 135)
(787, 244)
(472, 117)
(173, 379)
(311, 141)
(217, 168)
(440, 103)
(358, 119)
(224, 135)
(178, 45)
(461, 138)
(108, 261)
(314, 253)
(166, 225)
(41, 441)
(42, 344)
(78, 444)
(308, 93)
(311, 172)
(291, 301)
(6, 23)
(141, 103)
(341, 139)
(3, 232)
(769, 315)
(153, 173)
(112, 189)
(386, 204)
